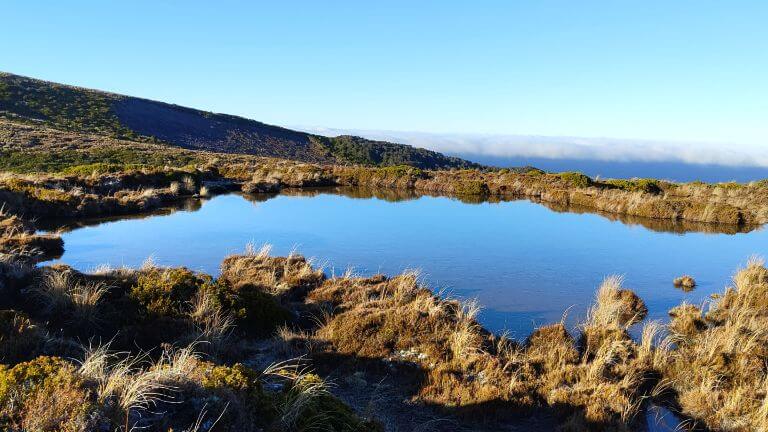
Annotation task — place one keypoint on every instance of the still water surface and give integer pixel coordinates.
(525, 263)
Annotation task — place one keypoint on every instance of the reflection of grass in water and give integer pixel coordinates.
(658, 225)
(67, 224)
(399, 195)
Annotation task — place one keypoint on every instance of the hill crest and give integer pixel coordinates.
(85, 110)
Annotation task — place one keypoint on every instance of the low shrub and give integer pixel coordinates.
(575, 179)
(168, 292)
(650, 186)
(730, 186)
(98, 168)
(534, 172)
(469, 187)
(239, 385)
(307, 405)
(256, 313)
(46, 394)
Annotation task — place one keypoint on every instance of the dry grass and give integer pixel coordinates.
(60, 295)
(133, 382)
(291, 276)
(213, 324)
(306, 389)
(719, 367)
(12, 266)
(601, 379)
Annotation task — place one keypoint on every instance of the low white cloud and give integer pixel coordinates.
(562, 147)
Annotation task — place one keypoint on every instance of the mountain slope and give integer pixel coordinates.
(83, 110)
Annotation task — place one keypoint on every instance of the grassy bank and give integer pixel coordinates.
(180, 343)
(725, 203)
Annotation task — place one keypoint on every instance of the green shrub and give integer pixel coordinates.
(470, 187)
(256, 312)
(101, 168)
(101, 160)
(46, 394)
(534, 172)
(237, 378)
(37, 193)
(576, 179)
(361, 151)
(399, 171)
(239, 388)
(730, 186)
(651, 186)
(167, 292)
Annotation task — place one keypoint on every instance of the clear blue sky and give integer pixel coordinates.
(679, 70)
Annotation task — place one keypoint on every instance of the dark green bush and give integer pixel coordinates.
(651, 186)
(256, 312)
(167, 292)
(324, 411)
(576, 179)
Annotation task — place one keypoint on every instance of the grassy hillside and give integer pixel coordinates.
(117, 116)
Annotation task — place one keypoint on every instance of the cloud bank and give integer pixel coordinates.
(563, 147)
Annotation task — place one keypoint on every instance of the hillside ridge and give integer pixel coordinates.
(84, 110)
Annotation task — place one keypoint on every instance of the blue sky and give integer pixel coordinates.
(659, 70)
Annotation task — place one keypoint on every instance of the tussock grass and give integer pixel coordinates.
(60, 295)
(600, 378)
(214, 325)
(21, 338)
(719, 367)
(135, 384)
(685, 282)
(290, 276)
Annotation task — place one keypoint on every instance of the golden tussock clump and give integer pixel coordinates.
(685, 282)
(293, 276)
(719, 366)
(600, 379)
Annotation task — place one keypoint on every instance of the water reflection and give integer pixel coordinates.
(399, 195)
(69, 224)
(392, 195)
